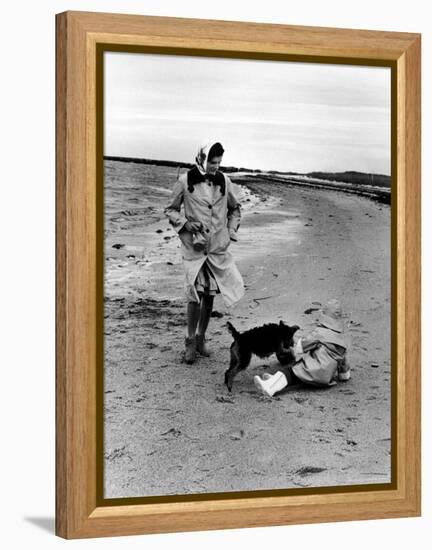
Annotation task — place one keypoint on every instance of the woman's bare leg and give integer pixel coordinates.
(205, 313)
(193, 315)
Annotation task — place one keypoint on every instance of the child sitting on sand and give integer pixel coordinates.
(320, 356)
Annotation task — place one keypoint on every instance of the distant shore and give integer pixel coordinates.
(374, 186)
(376, 193)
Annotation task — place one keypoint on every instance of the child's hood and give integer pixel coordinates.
(330, 336)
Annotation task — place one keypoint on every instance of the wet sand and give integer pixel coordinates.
(172, 428)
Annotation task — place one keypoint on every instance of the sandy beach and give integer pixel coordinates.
(173, 428)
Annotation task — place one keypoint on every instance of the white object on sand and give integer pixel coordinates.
(271, 383)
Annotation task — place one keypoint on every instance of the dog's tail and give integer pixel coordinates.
(235, 333)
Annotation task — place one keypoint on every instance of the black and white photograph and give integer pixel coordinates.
(247, 275)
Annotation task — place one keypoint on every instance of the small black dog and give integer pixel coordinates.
(261, 341)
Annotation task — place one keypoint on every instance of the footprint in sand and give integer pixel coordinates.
(310, 310)
(300, 399)
(224, 399)
(309, 470)
(236, 435)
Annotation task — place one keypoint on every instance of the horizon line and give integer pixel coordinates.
(184, 164)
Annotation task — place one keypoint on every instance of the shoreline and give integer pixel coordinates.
(337, 181)
(375, 193)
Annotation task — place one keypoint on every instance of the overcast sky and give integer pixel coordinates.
(267, 114)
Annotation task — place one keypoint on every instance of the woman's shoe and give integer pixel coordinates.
(201, 345)
(190, 350)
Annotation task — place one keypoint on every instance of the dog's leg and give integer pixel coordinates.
(234, 362)
(240, 359)
(245, 358)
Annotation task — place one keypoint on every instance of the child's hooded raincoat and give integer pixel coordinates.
(324, 349)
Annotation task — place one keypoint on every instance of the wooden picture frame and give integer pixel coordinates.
(80, 39)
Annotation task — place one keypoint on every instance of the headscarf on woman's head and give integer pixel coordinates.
(202, 155)
(198, 173)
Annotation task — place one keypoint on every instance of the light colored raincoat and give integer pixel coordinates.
(220, 217)
(324, 351)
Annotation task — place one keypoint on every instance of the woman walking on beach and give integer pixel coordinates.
(206, 227)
